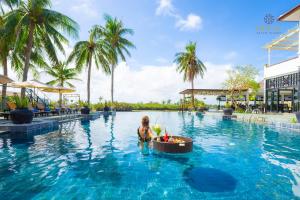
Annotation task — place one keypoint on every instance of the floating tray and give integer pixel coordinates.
(168, 147)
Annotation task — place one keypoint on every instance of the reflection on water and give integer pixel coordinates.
(145, 147)
(282, 149)
(15, 138)
(102, 159)
(210, 180)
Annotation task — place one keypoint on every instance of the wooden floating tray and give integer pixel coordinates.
(170, 147)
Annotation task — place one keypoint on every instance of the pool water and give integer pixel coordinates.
(101, 159)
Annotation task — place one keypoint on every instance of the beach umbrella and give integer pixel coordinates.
(5, 79)
(35, 84)
(30, 84)
(60, 90)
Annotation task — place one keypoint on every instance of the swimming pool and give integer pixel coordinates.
(101, 159)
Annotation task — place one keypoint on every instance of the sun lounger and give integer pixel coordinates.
(35, 111)
(6, 115)
(55, 111)
(43, 110)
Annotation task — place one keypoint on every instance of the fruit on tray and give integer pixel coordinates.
(175, 140)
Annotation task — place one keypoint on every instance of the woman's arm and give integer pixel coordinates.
(150, 133)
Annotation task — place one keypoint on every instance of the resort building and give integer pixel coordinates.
(282, 80)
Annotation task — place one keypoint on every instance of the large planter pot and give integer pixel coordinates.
(202, 109)
(85, 110)
(227, 111)
(21, 116)
(298, 116)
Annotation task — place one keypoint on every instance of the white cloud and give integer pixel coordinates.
(149, 83)
(84, 8)
(165, 7)
(231, 55)
(161, 60)
(192, 22)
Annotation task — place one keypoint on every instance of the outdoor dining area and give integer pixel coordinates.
(22, 110)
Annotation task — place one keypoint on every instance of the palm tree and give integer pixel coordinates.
(5, 47)
(115, 33)
(94, 50)
(39, 28)
(62, 75)
(9, 3)
(190, 65)
(6, 42)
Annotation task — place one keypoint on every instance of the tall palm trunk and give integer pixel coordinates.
(28, 51)
(193, 98)
(4, 86)
(112, 83)
(60, 94)
(89, 81)
(60, 100)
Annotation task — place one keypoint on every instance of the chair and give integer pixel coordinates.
(55, 111)
(11, 106)
(43, 109)
(35, 111)
(65, 109)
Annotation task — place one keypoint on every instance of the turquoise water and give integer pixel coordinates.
(102, 159)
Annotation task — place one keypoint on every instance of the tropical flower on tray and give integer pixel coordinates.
(157, 129)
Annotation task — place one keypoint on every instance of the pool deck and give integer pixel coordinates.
(274, 120)
(44, 124)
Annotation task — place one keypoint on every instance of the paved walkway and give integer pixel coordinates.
(268, 117)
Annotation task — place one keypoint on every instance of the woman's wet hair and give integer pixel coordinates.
(145, 121)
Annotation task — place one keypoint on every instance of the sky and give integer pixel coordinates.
(227, 34)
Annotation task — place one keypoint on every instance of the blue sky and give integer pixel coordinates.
(225, 32)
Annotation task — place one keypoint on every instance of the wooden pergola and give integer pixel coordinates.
(208, 92)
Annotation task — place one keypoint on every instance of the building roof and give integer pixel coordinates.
(288, 41)
(5, 79)
(291, 15)
(213, 92)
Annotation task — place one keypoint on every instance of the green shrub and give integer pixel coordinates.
(294, 120)
(122, 106)
(239, 110)
(227, 105)
(21, 103)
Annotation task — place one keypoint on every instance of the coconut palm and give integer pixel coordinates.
(94, 50)
(115, 34)
(190, 65)
(39, 28)
(8, 3)
(5, 43)
(62, 75)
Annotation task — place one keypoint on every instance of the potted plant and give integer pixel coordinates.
(157, 129)
(227, 109)
(298, 116)
(202, 107)
(85, 109)
(21, 115)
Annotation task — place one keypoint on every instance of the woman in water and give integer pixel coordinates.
(144, 132)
